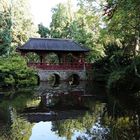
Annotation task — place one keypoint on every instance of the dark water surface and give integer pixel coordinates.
(68, 112)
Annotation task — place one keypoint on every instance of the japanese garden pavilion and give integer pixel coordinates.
(69, 54)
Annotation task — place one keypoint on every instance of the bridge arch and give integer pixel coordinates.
(74, 79)
(54, 78)
(38, 78)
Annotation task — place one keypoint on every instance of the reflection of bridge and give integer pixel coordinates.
(64, 87)
(61, 57)
(54, 116)
(59, 102)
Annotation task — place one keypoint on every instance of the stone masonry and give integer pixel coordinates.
(44, 75)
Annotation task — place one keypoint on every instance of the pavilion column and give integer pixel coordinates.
(60, 58)
(76, 57)
(81, 58)
(42, 58)
(64, 59)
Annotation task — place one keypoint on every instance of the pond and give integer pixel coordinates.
(68, 112)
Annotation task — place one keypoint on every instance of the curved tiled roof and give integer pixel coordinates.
(52, 44)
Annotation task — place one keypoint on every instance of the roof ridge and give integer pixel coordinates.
(53, 44)
(51, 39)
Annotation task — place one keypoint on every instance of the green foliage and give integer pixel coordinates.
(15, 25)
(114, 59)
(14, 72)
(22, 24)
(32, 57)
(117, 70)
(124, 81)
(43, 31)
(5, 28)
(124, 22)
(60, 22)
(116, 79)
(21, 129)
(68, 127)
(82, 26)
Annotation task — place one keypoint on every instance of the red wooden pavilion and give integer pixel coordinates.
(63, 48)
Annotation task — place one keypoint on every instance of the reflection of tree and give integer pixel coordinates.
(20, 128)
(111, 121)
(123, 118)
(66, 128)
(118, 121)
(15, 127)
(123, 128)
(23, 98)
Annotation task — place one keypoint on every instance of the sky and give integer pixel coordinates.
(41, 10)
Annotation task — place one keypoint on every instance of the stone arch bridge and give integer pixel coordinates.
(63, 75)
(63, 72)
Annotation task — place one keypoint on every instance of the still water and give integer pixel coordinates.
(68, 112)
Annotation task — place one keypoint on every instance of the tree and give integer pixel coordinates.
(22, 25)
(124, 24)
(124, 21)
(43, 31)
(60, 22)
(16, 24)
(5, 27)
(82, 26)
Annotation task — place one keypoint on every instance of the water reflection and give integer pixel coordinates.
(69, 112)
(59, 102)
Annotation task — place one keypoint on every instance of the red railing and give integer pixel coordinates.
(68, 66)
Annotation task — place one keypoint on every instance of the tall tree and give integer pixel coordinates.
(43, 31)
(22, 25)
(124, 21)
(124, 24)
(16, 24)
(81, 25)
(5, 27)
(60, 21)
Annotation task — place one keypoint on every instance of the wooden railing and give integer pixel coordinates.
(67, 66)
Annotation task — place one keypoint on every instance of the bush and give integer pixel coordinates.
(116, 82)
(14, 72)
(123, 81)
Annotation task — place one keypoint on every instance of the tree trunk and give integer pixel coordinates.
(136, 52)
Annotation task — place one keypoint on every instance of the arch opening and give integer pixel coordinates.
(74, 79)
(38, 79)
(54, 79)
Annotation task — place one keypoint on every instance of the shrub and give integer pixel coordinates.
(14, 72)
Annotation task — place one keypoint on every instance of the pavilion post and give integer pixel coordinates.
(42, 58)
(64, 58)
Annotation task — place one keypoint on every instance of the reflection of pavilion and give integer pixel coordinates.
(57, 102)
